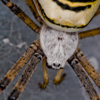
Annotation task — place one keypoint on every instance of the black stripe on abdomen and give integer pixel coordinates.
(67, 7)
(58, 24)
(82, 1)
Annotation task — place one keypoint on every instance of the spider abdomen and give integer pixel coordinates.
(67, 15)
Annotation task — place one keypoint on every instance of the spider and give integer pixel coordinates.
(77, 60)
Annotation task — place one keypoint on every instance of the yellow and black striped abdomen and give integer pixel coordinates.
(67, 15)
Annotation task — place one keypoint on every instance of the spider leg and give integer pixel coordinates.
(59, 77)
(75, 64)
(11, 74)
(89, 68)
(29, 70)
(33, 9)
(89, 33)
(45, 75)
(16, 10)
(98, 12)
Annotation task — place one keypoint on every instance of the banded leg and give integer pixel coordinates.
(29, 70)
(89, 33)
(16, 10)
(45, 75)
(89, 68)
(84, 78)
(33, 9)
(59, 77)
(11, 74)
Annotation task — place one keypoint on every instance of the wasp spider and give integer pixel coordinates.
(61, 21)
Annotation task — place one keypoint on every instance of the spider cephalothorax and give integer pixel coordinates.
(57, 44)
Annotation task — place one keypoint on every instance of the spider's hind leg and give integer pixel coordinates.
(45, 75)
(33, 9)
(89, 33)
(16, 10)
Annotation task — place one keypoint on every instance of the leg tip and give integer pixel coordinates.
(14, 95)
(11, 98)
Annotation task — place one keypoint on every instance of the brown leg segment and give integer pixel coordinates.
(59, 77)
(17, 67)
(29, 70)
(32, 7)
(89, 33)
(84, 78)
(16, 10)
(89, 68)
(45, 75)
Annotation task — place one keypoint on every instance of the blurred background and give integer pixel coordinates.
(15, 38)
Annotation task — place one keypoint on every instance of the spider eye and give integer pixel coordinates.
(56, 65)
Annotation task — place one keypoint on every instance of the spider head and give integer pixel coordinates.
(55, 63)
(58, 46)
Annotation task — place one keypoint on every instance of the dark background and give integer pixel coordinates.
(15, 37)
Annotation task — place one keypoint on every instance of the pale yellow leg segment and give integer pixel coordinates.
(59, 77)
(11, 74)
(89, 33)
(98, 12)
(16, 10)
(45, 75)
(84, 79)
(89, 68)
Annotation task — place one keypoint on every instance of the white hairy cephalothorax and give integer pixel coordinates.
(58, 46)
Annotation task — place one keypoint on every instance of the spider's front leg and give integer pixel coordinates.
(89, 68)
(11, 74)
(21, 84)
(75, 64)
